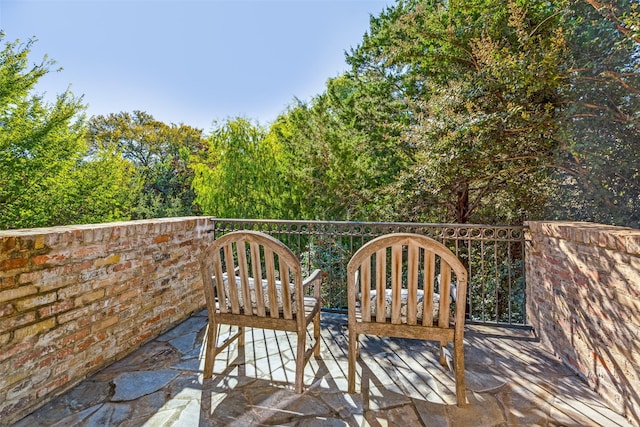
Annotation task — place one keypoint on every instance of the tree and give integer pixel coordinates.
(105, 188)
(46, 177)
(39, 143)
(509, 110)
(242, 174)
(600, 157)
(160, 154)
(339, 154)
(478, 83)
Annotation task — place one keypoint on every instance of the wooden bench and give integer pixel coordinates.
(392, 292)
(231, 267)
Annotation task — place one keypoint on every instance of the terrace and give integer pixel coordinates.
(511, 381)
(103, 325)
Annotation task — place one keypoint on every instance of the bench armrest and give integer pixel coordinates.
(314, 279)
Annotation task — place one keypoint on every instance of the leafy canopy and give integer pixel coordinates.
(240, 175)
(160, 158)
(45, 174)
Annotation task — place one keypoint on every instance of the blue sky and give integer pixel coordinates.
(190, 62)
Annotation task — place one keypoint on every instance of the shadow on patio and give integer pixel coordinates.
(511, 380)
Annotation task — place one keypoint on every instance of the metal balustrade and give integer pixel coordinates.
(493, 255)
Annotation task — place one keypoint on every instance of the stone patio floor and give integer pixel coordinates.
(511, 381)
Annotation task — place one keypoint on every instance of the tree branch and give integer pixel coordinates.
(611, 16)
(619, 78)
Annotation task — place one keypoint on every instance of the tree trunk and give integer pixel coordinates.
(462, 205)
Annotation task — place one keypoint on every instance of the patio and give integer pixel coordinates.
(511, 380)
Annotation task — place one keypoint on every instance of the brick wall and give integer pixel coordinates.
(583, 299)
(75, 299)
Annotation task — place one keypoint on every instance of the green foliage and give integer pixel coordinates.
(330, 254)
(493, 111)
(104, 189)
(39, 143)
(339, 154)
(485, 111)
(478, 83)
(496, 289)
(319, 166)
(46, 177)
(242, 175)
(160, 155)
(600, 175)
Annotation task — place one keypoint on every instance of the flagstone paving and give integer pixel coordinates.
(511, 381)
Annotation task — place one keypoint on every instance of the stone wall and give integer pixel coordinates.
(75, 299)
(583, 299)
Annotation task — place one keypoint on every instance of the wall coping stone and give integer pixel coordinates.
(605, 236)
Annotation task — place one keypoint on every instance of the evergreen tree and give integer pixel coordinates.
(599, 177)
(46, 178)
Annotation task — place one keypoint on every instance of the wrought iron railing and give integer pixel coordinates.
(493, 255)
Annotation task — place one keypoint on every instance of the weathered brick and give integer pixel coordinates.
(64, 353)
(50, 281)
(148, 269)
(596, 305)
(14, 322)
(4, 340)
(87, 298)
(75, 290)
(15, 347)
(117, 231)
(97, 361)
(80, 266)
(53, 309)
(75, 336)
(161, 239)
(168, 313)
(40, 376)
(93, 274)
(97, 234)
(51, 385)
(105, 323)
(34, 329)
(70, 365)
(112, 270)
(121, 267)
(40, 241)
(632, 243)
(7, 244)
(29, 277)
(130, 294)
(111, 259)
(82, 345)
(31, 357)
(116, 283)
(141, 338)
(6, 310)
(11, 376)
(13, 264)
(7, 282)
(50, 259)
(13, 294)
(81, 312)
(87, 252)
(36, 301)
(19, 389)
